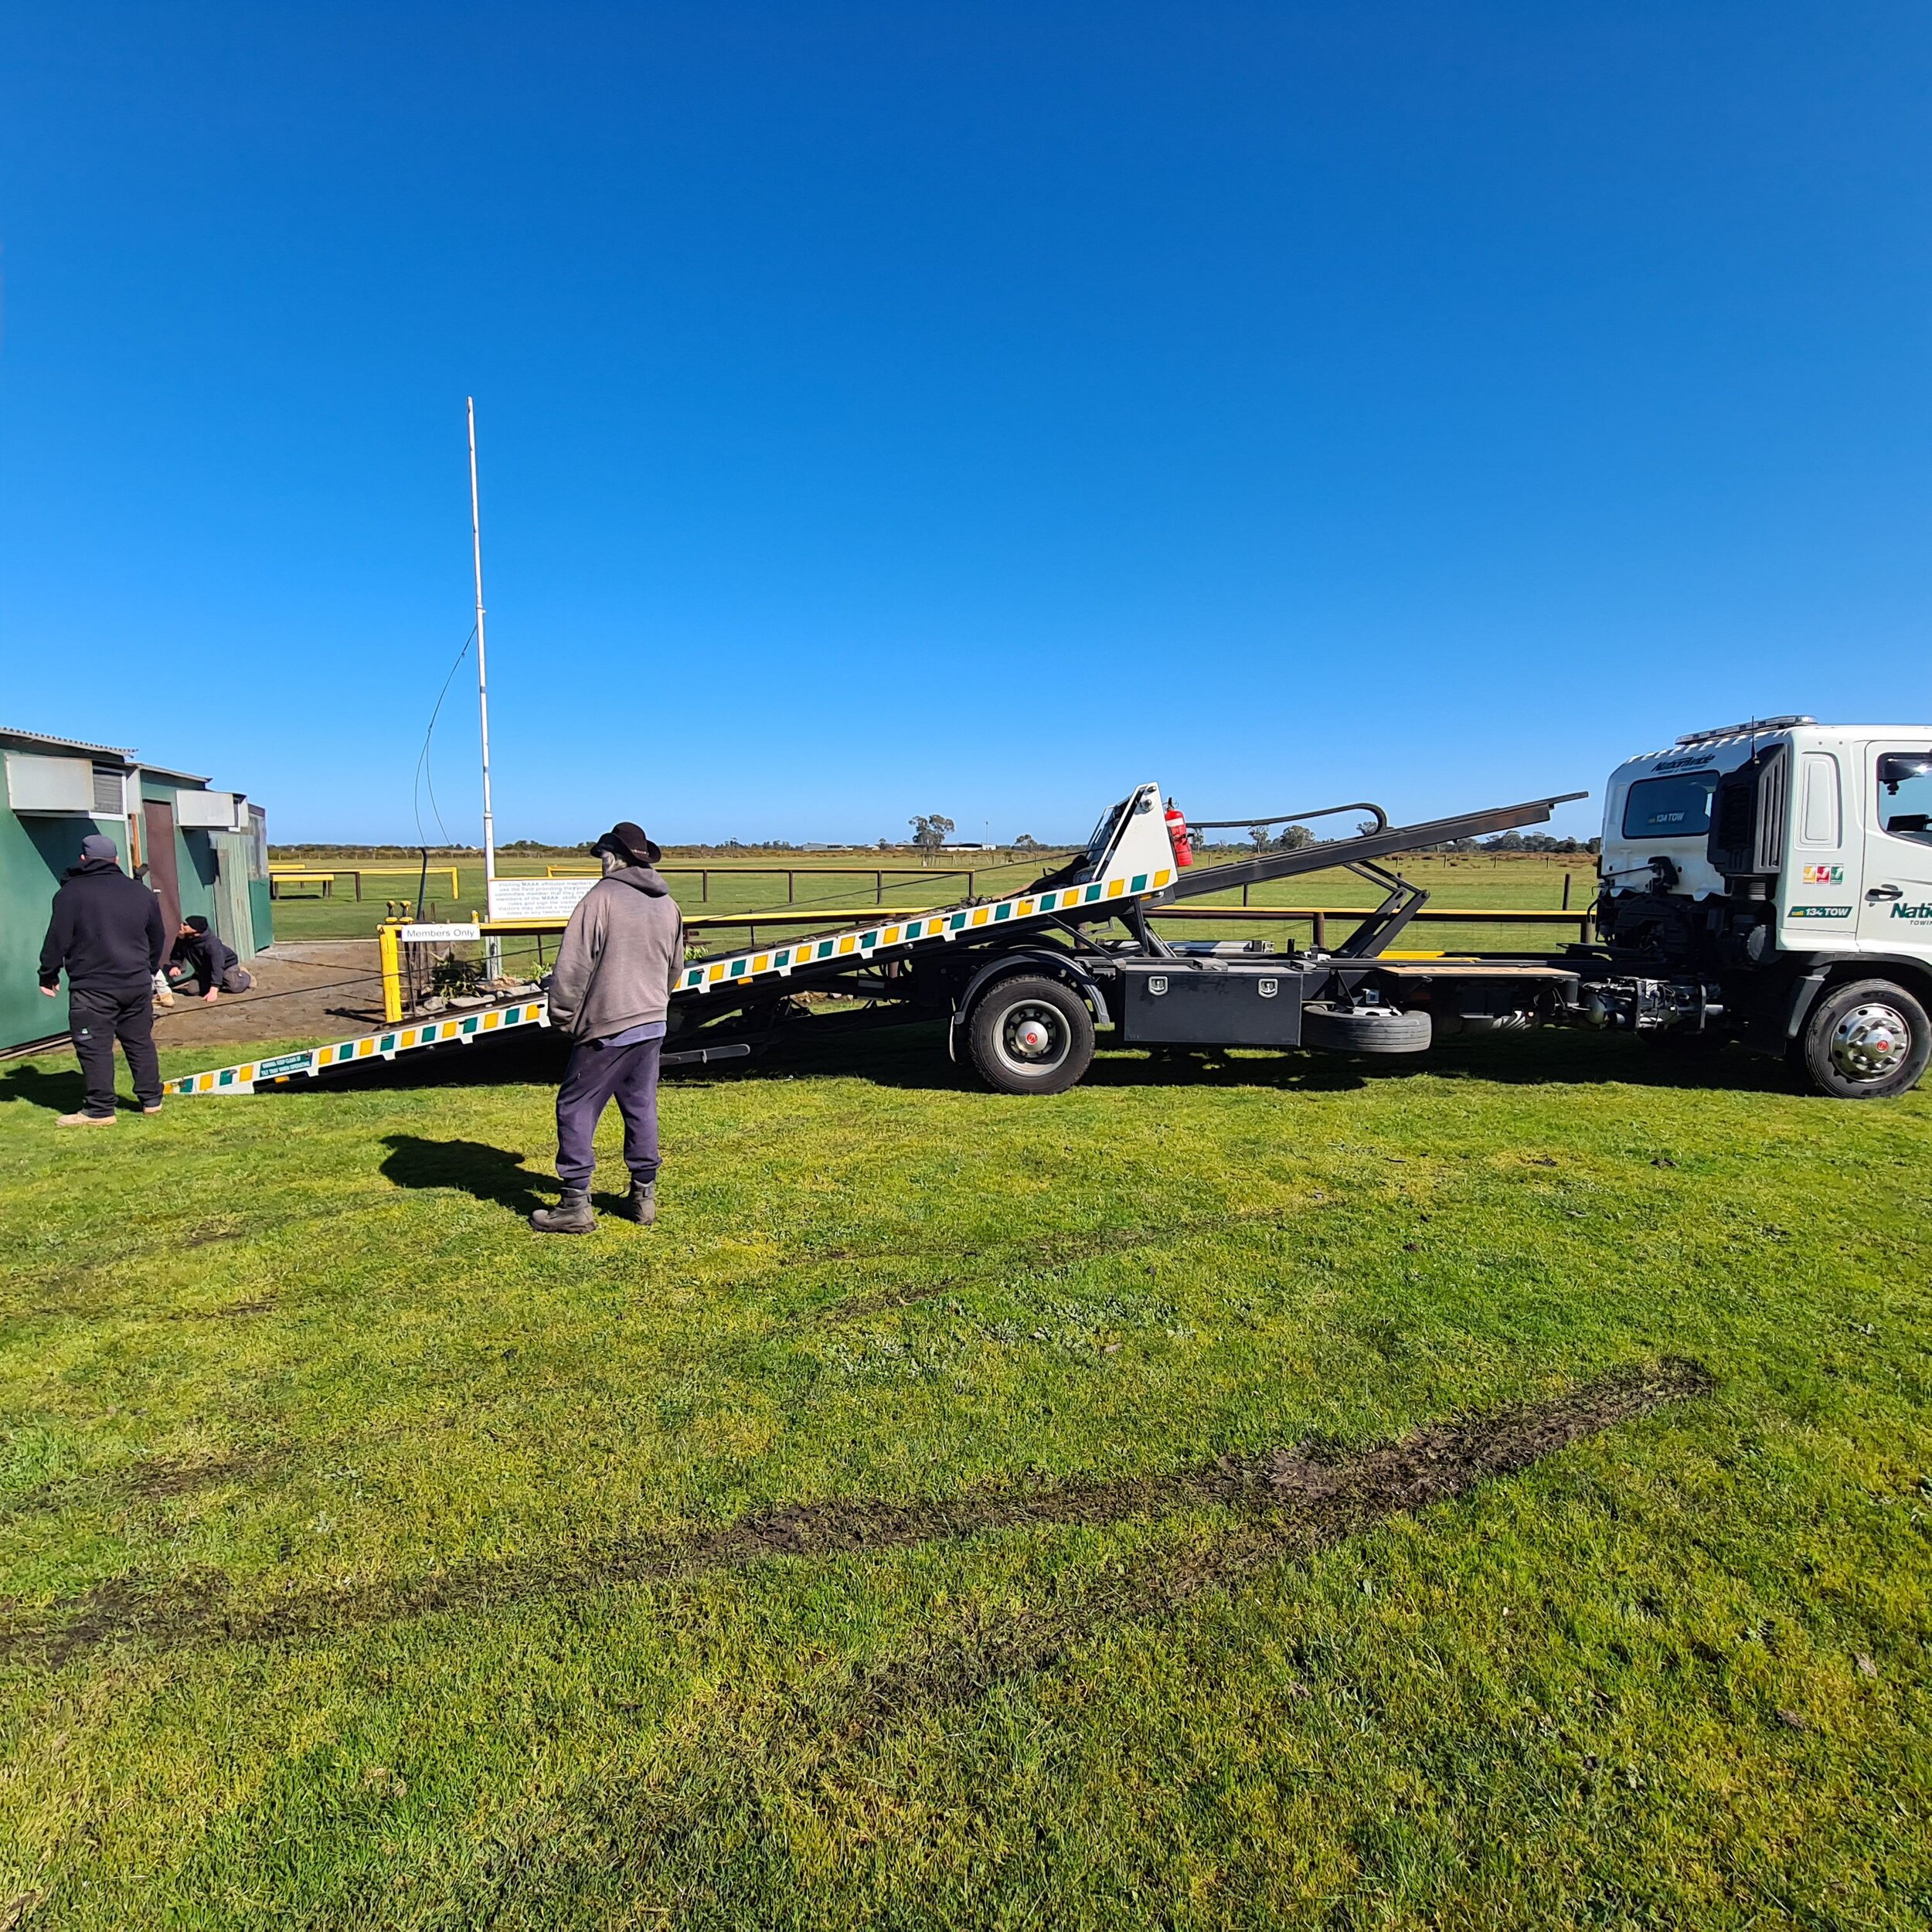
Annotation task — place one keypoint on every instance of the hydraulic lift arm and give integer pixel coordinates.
(1367, 846)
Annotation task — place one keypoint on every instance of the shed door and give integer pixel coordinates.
(234, 917)
(158, 818)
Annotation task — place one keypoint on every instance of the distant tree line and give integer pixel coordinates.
(1523, 841)
(931, 830)
(1299, 837)
(335, 848)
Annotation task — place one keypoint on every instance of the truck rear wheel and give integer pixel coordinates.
(1864, 1041)
(1030, 1035)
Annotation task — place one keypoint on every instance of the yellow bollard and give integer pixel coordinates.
(392, 953)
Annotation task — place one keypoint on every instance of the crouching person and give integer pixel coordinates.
(611, 992)
(200, 958)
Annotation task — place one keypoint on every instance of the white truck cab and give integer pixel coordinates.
(1789, 860)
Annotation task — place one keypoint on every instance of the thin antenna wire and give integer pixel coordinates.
(425, 779)
(482, 668)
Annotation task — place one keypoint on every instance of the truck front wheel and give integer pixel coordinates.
(1030, 1035)
(1864, 1041)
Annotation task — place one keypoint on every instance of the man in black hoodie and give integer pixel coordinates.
(108, 932)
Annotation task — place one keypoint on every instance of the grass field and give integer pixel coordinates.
(1501, 882)
(1261, 1494)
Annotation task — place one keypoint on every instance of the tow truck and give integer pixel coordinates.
(1768, 882)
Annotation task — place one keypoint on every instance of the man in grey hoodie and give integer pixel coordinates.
(610, 992)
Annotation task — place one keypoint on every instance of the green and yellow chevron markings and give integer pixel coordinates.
(385, 1046)
(706, 976)
(782, 961)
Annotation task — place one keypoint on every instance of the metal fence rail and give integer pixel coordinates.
(792, 874)
(326, 876)
(1319, 915)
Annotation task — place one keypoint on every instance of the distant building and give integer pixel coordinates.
(206, 852)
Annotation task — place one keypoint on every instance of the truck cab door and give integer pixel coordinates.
(1818, 894)
(1895, 908)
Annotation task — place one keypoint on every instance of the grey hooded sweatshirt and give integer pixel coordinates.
(619, 957)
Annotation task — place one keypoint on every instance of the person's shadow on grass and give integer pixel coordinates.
(61, 1092)
(493, 1174)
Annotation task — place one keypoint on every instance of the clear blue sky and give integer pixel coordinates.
(976, 409)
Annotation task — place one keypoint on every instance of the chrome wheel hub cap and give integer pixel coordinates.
(1870, 1041)
(1032, 1038)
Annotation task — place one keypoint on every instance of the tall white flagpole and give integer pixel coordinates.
(482, 690)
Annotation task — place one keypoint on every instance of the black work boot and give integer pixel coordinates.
(573, 1215)
(640, 1204)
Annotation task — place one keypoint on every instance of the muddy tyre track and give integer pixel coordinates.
(1286, 1504)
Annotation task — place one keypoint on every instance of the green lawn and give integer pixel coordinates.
(966, 1510)
(747, 885)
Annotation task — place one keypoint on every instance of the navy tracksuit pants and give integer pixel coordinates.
(595, 1075)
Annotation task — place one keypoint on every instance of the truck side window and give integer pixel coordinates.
(1818, 821)
(1905, 795)
(1672, 808)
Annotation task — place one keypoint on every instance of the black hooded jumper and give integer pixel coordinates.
(108, 933)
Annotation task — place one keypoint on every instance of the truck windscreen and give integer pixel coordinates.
(1672, 808)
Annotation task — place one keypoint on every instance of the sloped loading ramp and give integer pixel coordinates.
(1128, 859)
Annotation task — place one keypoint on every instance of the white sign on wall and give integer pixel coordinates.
(537, 898)
(427, 934)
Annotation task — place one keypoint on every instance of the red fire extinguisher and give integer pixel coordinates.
(1177, 835)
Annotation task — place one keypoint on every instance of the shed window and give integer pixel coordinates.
(109, 798)
(1820, 823)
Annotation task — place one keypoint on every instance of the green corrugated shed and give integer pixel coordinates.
(206, 852)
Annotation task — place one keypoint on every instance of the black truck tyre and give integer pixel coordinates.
(1865, 1040)
(1364, 1029)
(1029, 1035)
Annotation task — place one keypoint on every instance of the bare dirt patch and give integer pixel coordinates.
(162, 1477)
(1290, 1503)
(319, 990)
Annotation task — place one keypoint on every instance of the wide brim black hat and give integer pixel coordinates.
(630, 841)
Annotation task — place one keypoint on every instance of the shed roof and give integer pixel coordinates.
(124, 752)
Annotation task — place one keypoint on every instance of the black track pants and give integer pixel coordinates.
(97, 1018)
